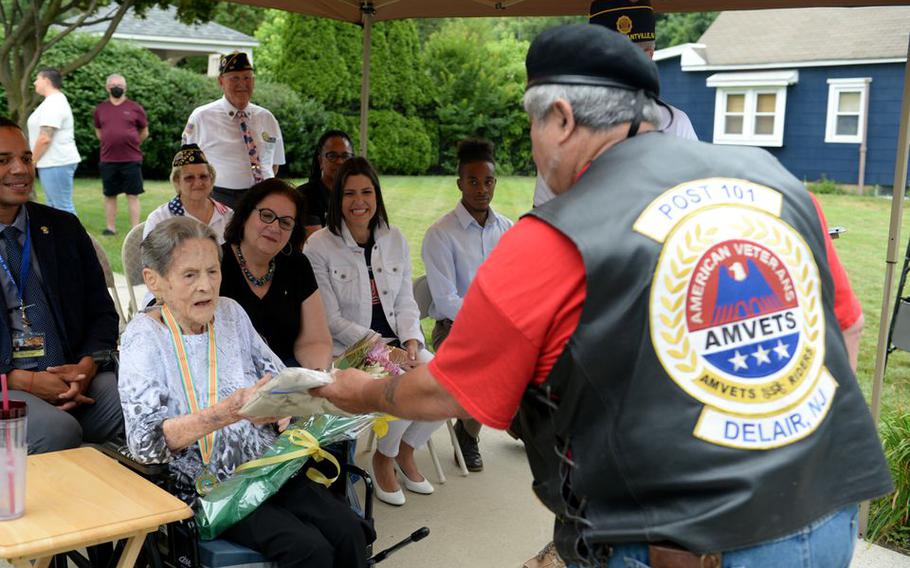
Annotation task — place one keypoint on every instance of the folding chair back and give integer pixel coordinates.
(132, 266)
(109, 280)
(422, 296)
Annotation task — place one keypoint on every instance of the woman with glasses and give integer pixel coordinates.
(193, 178)
(363, 267)
(333, 149)
(265, 272)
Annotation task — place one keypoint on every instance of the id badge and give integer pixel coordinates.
(27, 345)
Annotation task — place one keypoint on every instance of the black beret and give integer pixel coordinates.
(582, 54)
(189, 154)
(632, 18)
(236, 61)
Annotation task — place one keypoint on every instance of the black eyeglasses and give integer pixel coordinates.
(268, 217)
(335, 156)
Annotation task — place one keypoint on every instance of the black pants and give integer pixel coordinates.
(305, 525)
(229, 197)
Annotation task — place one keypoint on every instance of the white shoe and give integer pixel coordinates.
(423, 487)
(395, 498)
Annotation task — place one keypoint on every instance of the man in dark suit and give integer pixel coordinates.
(56, 313)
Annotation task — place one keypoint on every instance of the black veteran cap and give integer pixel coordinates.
(236, 61)
(632, 18)
(582, 54)
(189, 154)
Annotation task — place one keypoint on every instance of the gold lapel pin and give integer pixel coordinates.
(45, 230)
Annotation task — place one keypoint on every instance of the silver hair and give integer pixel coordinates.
(157, 249)
(114, 76)
(175, 174)
(597, 108)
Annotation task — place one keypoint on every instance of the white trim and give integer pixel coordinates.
(675, 50)
(835, 88)
(175, 42)
(781, 78)
(820, 63)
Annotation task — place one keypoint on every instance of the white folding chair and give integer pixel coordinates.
(132, 265)
(109, 280)
(424, 301)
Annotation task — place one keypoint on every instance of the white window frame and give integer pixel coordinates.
(835, 88)
(751, 85)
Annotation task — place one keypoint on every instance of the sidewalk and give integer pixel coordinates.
(492, 519)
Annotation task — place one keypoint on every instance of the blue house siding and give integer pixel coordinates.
(805, 152)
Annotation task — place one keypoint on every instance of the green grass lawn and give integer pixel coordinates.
(415, 202)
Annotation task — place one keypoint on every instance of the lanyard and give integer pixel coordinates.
(24, 267)
(207, 443)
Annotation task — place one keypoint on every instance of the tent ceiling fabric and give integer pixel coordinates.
(349, 10)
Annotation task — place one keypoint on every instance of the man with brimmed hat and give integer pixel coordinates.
(682, 386)
(242, 140)
(635, 19)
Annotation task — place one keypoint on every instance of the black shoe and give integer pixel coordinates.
(108, 232)
(469, 449)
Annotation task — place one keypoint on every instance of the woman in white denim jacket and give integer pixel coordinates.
(363, 267)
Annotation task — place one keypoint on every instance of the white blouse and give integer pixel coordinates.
(344, 284)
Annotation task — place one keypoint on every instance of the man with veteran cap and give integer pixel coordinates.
(676, 366)
(635, 20)
(241, 140)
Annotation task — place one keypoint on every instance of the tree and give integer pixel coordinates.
(31, 28)
(674, 29)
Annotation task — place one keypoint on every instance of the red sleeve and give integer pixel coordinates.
(846, 305)
(143, 120)
(517, 316)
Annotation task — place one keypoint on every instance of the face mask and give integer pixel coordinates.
(542, 192)
(117, 92)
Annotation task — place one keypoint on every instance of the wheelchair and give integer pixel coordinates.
(177, 545)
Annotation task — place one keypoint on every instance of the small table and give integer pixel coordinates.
(80, 497)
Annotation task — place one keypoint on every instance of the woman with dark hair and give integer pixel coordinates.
(265, 272)
(363, 267)
(332, 150)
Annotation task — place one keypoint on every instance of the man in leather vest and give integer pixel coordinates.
(665, 326)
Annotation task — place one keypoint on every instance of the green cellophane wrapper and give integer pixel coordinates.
(249, 487)
(237, 497)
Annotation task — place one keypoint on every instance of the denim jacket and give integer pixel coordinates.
(344, 284)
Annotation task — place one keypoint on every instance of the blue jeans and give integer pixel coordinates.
(58, 186)
(826, 543)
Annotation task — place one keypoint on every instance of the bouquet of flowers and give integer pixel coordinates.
(255, 481)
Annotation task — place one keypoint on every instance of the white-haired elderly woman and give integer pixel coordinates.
(187, 367)
(194, 179)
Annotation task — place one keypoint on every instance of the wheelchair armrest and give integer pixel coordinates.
(351, 469)
(118, 450)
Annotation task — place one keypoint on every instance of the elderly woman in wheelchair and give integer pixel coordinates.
(187, 367)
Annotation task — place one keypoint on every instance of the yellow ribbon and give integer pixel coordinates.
(309, 447)
(381, 424)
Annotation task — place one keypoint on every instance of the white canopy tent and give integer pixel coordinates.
(366, 12)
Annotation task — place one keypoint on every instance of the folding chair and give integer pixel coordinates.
(132, 266)
(109, 280)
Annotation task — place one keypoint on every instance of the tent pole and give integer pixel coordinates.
(367, 11)
(897, 210)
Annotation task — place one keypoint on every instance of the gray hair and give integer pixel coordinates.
(597, 108)
(158, 247)
(114, 76)
(175, 174)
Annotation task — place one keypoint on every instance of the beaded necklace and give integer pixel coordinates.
(249, 275)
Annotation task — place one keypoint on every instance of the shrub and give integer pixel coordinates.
(398, 144)
(889, 516)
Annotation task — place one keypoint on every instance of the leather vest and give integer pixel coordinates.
(705, 397)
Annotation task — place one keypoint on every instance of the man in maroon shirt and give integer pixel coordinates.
(121, 126)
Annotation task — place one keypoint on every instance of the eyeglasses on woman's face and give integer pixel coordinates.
(268, 217)
(338, 156)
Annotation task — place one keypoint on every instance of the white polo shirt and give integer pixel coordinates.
(216, 129)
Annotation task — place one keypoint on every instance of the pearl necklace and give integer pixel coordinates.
(249, 275)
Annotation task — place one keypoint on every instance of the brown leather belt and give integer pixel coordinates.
(670, 556)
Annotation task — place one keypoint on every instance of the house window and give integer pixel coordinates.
(750, 107)
(847, 109)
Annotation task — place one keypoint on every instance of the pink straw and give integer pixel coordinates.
(5, 391)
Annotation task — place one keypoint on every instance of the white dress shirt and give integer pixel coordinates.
(454, 247)
(344, 284)
(216, 129)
